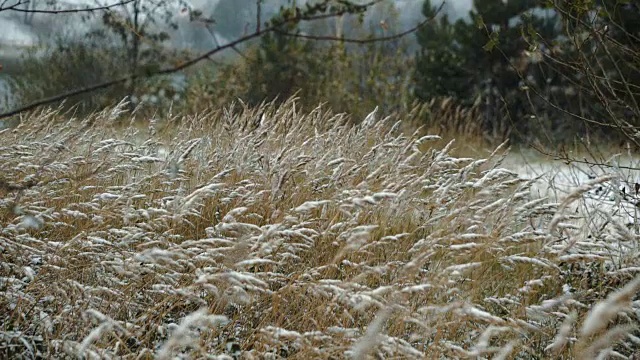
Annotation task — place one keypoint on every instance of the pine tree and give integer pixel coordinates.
(440, 68)
(620, 50)
(483, 59)
(282, 66)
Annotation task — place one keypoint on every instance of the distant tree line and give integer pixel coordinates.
(529, 70)
(544, 70)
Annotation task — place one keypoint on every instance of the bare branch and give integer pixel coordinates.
(15, 7)
(231, 45)
(363, 41)
(130, 77)
(217, 43)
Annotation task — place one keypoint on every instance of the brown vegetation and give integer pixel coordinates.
(272, 233)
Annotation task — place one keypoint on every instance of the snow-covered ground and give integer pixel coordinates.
(561, 177)
(605, 200)
(614, 199)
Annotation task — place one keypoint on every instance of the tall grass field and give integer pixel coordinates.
(276, 233)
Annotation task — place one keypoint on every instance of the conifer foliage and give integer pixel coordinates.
(483, 58)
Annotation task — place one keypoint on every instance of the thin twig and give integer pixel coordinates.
(15, 7)
(356, 41)
(197, 59)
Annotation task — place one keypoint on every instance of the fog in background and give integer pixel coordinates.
(21, 32)
(233, 17)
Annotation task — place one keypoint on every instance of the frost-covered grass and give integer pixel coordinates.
(275, 234)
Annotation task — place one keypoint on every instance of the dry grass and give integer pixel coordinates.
(448, 119)
(270, 233)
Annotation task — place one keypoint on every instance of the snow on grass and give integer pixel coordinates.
(303, 237)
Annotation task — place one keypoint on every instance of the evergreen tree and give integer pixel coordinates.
(282, 66)
(440, 68)
(620, 31)
(483, 59)
(602, 46)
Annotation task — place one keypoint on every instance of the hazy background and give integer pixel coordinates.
(22, 33)
(22, 30)
(523, 91)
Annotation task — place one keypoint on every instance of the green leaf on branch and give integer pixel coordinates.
(493, 42)
(480, 22)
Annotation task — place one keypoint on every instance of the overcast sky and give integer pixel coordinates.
(13, 30)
